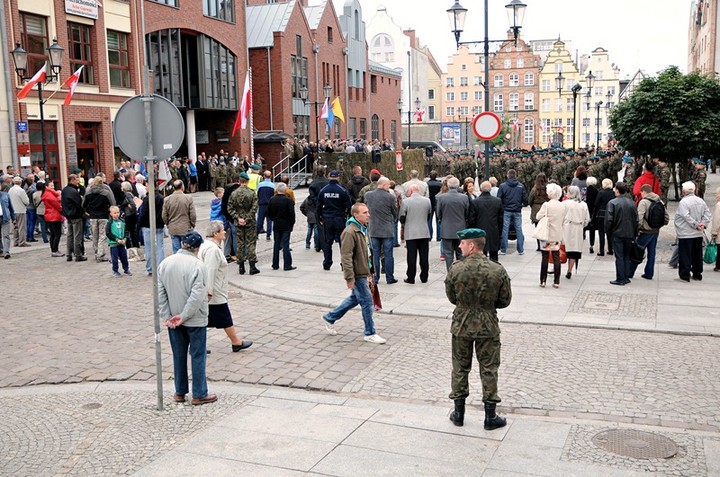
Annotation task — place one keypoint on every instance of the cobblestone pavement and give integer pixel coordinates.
(85, 326)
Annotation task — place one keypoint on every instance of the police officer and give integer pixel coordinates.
(477, 286)
(333, 208)
(242, 207)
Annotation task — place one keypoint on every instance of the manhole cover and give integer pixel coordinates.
(598, 305)
(636, 444)
(92, 405)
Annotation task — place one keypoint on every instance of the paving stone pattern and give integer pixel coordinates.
(690, 459)
(99, 433)
(615, 305)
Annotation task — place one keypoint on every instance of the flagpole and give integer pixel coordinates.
(252, 128)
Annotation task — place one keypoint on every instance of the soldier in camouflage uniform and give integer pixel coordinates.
(221, 174)
(242, 208)
(212, 167)
(477, 286)
(699, 176)
(664, 173)
(230, 171)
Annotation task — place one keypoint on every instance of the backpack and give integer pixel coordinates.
(656, 214)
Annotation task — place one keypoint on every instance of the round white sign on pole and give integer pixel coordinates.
(487, 126)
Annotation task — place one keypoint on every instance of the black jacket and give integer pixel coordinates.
(601, 202)
(281, 211)
(355, 185)
(144, 219)
(72, 202)
(486, 212)
(621, 218)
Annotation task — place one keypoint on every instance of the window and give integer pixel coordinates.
(450, 96)
(569, 105)
(559, 105)
(382, 49)
(570, 128)
(431, 94)
(463, 81)
(463, 67)
(498, 80)
(557, 122)
(463, 111)
(514, 101)
(219, 84)
(611, 90)
(330, 34)
(220, 9)
(598, 122)
(393, 131)
(375, 126)
(529, 101)
(545, 85)
(80, 51)
(545, 127)
(529, 130)
(586, 122)
(431, 112)
(498, 103)
(363, 128)
(530, 79)
(476, 110)
(118, 59)
(545, 105)
(373, 83)
(520, 63)
(508, 63)
(478, 96)
(598, 90)
(513, 80)
(450, 111)
(172, 3)
(477, 81)
(559, 67)
(34, 40)
(464, 96)
(301, 126)
(449, 81)
(352, 127)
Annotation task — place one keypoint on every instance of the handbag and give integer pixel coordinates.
(710, 251)
(637, 253)
(377, 304)
(562, 253)
(542, 231)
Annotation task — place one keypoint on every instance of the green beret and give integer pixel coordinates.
(470, 234)
(697, 160)
(255, 167)
(76, 171)
(243, 175)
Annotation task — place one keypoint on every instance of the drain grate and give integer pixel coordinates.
(636, 444)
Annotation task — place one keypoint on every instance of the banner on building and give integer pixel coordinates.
(450, 133)
(82, 8)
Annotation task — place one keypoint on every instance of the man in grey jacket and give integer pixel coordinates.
(415, 211)
(452, 212)
(691, 218)
(183, 304)
(383, 211)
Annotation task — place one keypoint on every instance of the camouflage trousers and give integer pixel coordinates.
(246, 240)
(487, 351)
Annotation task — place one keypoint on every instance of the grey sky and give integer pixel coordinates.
(638, 34)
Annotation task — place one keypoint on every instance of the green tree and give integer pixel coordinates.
(673, 117)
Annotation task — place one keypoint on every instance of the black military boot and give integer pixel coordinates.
(492, 420)
(242, 268)
(458, 415)
(253, 269)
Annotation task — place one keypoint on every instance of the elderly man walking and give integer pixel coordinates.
(178, 214)
(691, 219)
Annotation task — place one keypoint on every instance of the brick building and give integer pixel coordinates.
(514, 90)
(197, 55)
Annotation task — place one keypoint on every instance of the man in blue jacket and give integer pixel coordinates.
(514, 197)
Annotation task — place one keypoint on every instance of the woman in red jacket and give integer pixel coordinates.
(647, 177)
(53, 217)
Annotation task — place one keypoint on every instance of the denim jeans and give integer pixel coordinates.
(119, 253)
(281, 241)
(649, 243)
(312, 233)
(263, 221)
(193, 338)
(230, 244)
(360, 295)
(176, 241)
(159, 249)
(43, 228)
(30, 224)
(515, 218)
(387, 246)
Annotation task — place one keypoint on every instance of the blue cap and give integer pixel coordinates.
(192, 239)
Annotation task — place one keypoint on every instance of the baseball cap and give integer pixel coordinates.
(192, 239)
(334, 173)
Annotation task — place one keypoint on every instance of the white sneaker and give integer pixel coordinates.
(329, 327)
(501, 252)
(376, 339)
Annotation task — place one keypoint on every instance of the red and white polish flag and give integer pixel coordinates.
(38, 77)
(72, 83)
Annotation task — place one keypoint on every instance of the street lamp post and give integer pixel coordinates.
(456, 14)
(400, 110)
(608, 108)
(597, 125)
(20, 58)
(560, 83)
(409, 114)
(304, 93)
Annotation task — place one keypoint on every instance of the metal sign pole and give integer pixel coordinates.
(150, 168)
